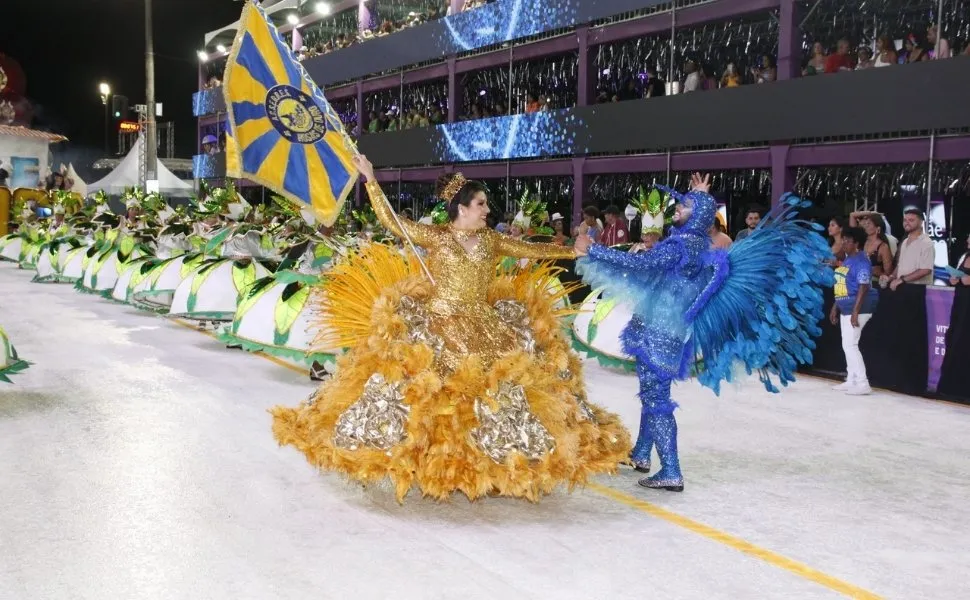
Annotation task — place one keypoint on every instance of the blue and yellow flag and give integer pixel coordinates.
(283, 133)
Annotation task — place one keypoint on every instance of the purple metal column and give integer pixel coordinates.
(585, 92)
(297, 40)
(452, 90)
(579, 189)
(789, 41)
(789, 61)
(456, 6)
(361, 126)
(782, 175)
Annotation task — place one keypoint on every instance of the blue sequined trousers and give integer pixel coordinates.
(658, 426)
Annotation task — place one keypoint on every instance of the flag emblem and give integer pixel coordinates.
(295, 115)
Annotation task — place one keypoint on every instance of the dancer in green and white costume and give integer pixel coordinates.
(127, 243)
(274, 316)
(12, 364)
(212, 291)
(16, 247)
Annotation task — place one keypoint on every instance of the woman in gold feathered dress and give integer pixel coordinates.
(467, 384)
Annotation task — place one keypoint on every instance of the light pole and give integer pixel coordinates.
(151, 151)
(105, 90)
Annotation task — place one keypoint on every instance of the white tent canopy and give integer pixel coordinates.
(126, 175)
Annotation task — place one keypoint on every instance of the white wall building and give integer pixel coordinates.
(24, 154)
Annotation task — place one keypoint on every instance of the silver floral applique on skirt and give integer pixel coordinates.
(378, 419)
(510, 428)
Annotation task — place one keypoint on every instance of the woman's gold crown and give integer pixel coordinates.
(454, 186)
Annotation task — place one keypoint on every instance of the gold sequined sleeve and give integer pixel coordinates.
(419, 234)
(509, 246)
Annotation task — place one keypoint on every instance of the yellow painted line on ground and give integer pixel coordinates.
(736, 543)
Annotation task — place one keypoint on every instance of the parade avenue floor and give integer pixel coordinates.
(136, 461)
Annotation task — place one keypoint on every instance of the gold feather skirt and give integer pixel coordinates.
(490, 402)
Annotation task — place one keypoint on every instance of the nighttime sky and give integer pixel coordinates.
(66, 47)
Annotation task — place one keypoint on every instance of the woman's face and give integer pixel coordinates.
(868, 226)
(474, 214)
(557, 226)
(817, 48)
(834, 229)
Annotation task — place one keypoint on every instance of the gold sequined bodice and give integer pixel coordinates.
(462, 276)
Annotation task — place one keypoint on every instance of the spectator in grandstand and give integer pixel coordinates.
(877, 246)
(855, 301)
(751, 219)
(4, 174)
(656, 85)
(863, 58)
(963, 265)
(532, 103)
(373, 122)
(932, 33)
(628, 90)
(731, 77)
(816, 64)
(210, 145)
(885, 52)
(766, 72)
(693, 81)
(917, 254)
(841, 60)
(915, 46)
(615, 232)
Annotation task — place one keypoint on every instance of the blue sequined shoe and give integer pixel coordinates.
(660, 481)
(641, 466)
(663, 428)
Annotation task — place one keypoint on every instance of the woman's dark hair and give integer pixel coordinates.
(880, 223)
(887, 42)
(842, 222)
(857, 235)
(462, 198)
(591, 211)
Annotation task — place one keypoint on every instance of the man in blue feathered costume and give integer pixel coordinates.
(710, 311)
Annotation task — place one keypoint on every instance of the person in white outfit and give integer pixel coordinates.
(855, 301)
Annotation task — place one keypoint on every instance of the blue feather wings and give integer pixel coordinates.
(765, 313)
